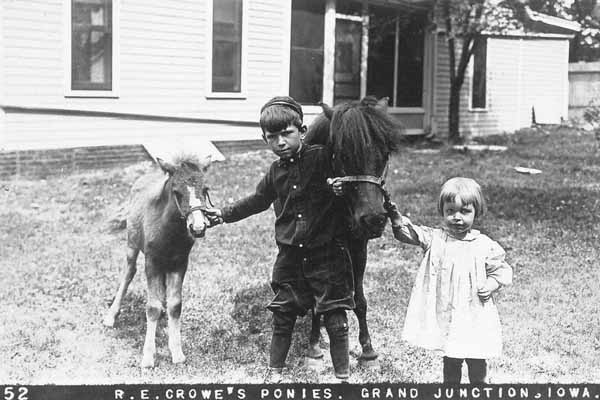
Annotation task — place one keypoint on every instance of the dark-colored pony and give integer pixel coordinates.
(362, 136)
(164, 218)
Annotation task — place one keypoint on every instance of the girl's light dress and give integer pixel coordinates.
(445, 313)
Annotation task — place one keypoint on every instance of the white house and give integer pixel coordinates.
(78, 73)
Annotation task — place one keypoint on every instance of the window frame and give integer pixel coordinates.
(472, 77)
(68, 38)
(242, 94)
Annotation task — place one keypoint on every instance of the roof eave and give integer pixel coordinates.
(552, 21)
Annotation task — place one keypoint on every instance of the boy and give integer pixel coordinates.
(313, 267)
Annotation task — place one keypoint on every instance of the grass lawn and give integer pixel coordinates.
(61, 264)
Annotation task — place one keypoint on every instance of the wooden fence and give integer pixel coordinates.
(584, 87)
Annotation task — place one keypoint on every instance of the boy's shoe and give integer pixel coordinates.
(274, 375)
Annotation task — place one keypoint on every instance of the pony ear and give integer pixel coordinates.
(165, 166)
(207, 164)
(328, 111)
(382, 104)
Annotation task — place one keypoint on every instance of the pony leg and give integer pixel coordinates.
(358, 249)
(156, 291)
(174, 285)
(126, 276)
(314, 350)
(363, 336)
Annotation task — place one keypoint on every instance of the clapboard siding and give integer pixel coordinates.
(163, 59)
(521, 73)
(37, 131)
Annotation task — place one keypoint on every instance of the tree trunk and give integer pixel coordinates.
(454, 114)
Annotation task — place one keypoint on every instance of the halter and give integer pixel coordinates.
(195, 208)
(376, 180)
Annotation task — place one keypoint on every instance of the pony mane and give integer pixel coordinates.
(359, 128)
(318, 131)
(182, 158)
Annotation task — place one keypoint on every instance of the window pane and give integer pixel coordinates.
(380, 70)
(227, 46)
(479, 72)
(410, 60)
(91, 45)
(347, 60)
(306, 58)
(383, 49)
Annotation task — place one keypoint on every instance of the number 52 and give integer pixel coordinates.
(21, 393)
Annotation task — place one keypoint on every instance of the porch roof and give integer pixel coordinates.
(425, 4)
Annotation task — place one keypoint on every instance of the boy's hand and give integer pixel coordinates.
(490, 286)
(336, 186)
(393, 213)
(214, 215)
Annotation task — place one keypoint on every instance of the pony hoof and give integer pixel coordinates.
(368, 355)
(109, 321)
(178, 358)
(314, 352)
(368, 363)
(316, 364)
(147, 361)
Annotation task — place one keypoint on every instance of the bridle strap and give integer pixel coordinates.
(361, 178)
(376, 180)
(196, 208)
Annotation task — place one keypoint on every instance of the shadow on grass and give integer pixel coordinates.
(131, 322)
(567, 206)
(248, 340)
(249, 310)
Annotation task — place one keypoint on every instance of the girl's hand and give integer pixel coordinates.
(393, 213)
(490, 286)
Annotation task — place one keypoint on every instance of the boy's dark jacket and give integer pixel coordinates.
(307, 212)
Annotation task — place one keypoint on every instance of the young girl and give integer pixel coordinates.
(451, 307)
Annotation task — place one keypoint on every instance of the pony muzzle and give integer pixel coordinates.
(374, 225)
(197, 224)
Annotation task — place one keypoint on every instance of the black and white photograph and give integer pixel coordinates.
(328, 199)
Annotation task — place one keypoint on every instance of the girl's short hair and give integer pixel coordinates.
(467, 190)
(279, 113)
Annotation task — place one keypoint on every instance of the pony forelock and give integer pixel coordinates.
(356, 127)
(182, 158)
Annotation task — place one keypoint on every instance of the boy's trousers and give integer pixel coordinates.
(320, 279)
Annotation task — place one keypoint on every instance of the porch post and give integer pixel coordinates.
(2, 87)
(428, 77)
(364, 50)
(329, 52)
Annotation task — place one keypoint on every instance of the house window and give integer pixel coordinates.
(478, 87)
(92, 45)
(396, 53)
(306, 55)
(227, 46)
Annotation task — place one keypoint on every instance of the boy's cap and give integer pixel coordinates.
(285, 101)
